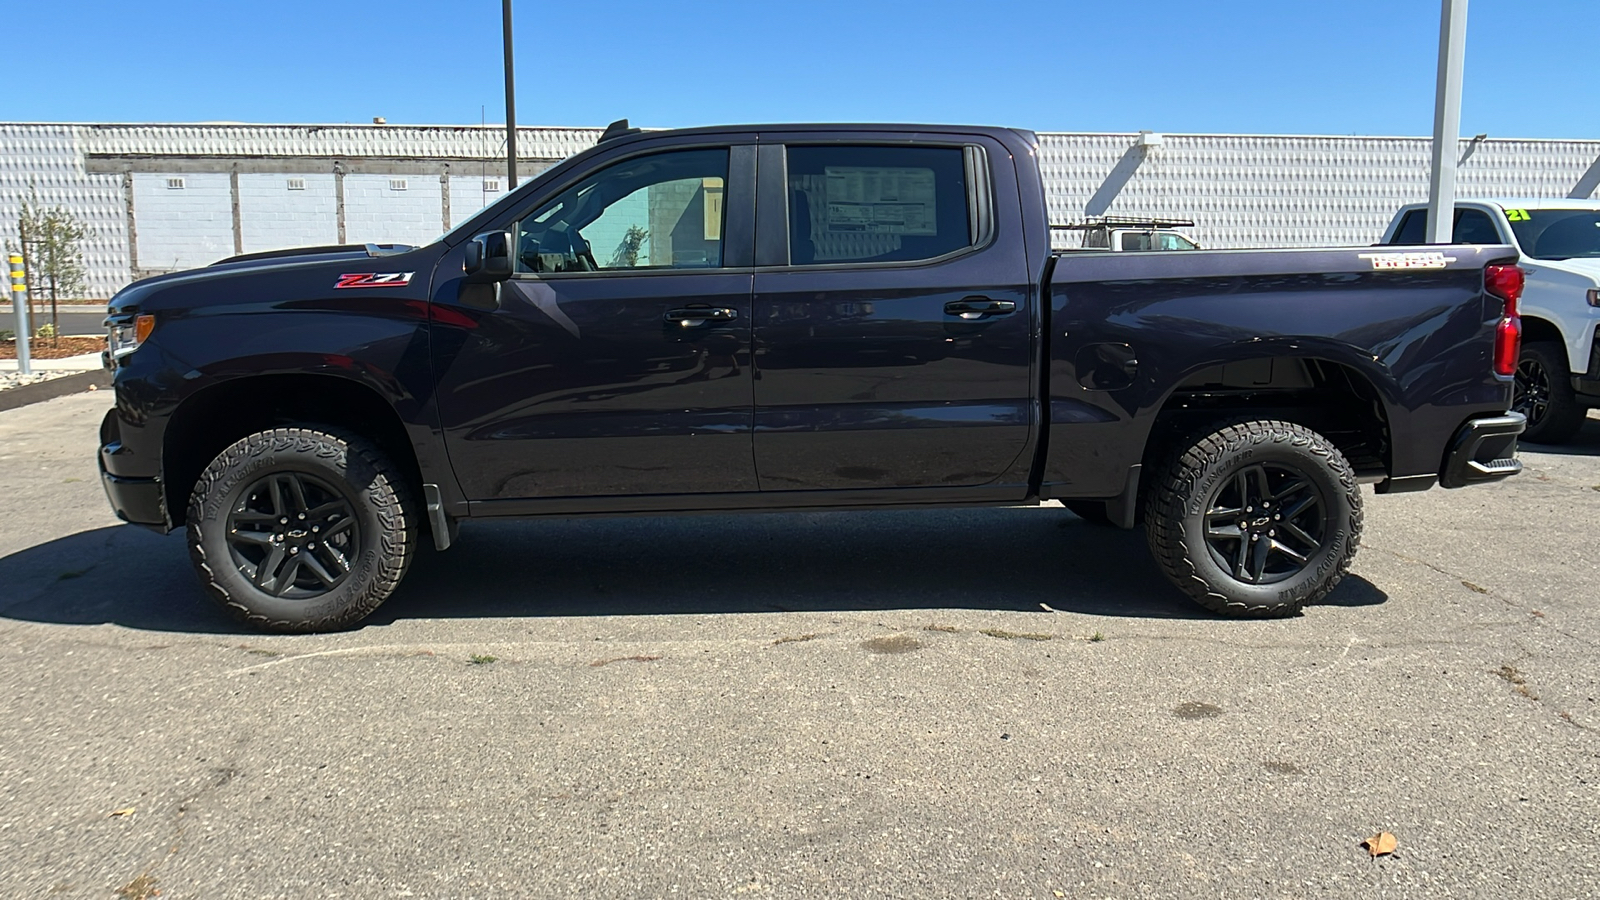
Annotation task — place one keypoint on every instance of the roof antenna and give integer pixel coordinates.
(617, 129)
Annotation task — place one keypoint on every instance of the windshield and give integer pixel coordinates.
(1557, 233)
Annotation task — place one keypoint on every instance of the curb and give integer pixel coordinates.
(55, 387)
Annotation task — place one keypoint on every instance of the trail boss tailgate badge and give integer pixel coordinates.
(374, 280)
(1425, 260)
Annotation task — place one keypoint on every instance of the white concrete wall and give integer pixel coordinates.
(376, 213)
(273, 217)
(1241, 190)
(186, 227)
(467, 195)
(48, 160)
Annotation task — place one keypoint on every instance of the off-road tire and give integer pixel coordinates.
(1182, 497)
(345, 465)
(1559, 416)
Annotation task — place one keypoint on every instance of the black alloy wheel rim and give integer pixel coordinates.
(1532, 393)
(293, 535)
(1266, 523)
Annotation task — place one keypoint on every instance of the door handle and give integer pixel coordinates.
(695, 316)
(971, 308)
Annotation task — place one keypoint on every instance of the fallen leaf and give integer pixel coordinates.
(1381, 844)
(125, 811)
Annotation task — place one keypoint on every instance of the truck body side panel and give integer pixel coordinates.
(1421, 337)
(215, 326)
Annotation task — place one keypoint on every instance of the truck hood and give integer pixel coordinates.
(1588, 268)
(276, 261)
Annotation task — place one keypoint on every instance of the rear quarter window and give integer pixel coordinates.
(1413, 228)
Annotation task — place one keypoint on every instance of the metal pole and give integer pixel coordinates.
(1447, 121)
(19, 308)
(511, 104)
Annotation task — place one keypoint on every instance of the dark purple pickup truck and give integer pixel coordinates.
(796, 317)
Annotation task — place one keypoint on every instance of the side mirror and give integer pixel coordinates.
(489, 257)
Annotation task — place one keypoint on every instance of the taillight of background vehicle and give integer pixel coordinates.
(1505, 282)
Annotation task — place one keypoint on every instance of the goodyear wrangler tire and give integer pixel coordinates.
(1255, 520)
(301, 529)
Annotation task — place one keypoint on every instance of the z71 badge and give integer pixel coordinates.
(374, 279)
(1433, 260)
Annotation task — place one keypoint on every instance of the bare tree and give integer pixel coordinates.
(627, 253)
(52, 253)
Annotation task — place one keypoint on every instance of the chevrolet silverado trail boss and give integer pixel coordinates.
(796, 317)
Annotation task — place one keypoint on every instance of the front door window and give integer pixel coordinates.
(663, 211)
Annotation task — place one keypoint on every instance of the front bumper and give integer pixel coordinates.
(1483, 450)
(136, 500)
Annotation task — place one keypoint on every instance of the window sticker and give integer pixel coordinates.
(880, 200)
(1517, 215)
(713, 208)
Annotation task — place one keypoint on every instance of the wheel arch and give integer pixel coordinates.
(1537, 329)
(206, 422)
(1346, 397)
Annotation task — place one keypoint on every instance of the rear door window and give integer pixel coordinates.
(1473, 226)
(877, 204)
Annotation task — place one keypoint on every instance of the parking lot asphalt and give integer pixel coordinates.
(995, 703)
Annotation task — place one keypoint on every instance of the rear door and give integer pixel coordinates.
(893, 316)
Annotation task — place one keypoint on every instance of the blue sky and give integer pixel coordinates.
(1294, 66)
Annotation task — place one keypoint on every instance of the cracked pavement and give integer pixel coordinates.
(1003, 702)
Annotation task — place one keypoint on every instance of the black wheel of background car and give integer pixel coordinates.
(1091, 511)
(301, 529)
(1543, 393)
(1257, 519)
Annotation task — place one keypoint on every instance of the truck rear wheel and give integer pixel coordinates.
(300, 529)
(1255, 520)
(1543, 393)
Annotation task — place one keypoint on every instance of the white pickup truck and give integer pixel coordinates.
(1118, 233)
(1558, 375)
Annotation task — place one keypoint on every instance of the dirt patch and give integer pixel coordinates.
(1004, 635)
(1193, 710)
(893, 643)
(60, 348)
(616, 659)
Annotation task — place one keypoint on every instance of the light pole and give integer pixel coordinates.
(511, 103)
(1446, 121)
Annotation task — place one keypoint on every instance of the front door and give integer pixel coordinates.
(616, 360)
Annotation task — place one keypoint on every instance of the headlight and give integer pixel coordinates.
(127, 334)
(1594, 297)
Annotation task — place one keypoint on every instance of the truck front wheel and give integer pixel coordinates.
(300, 529)
(1255, 520)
